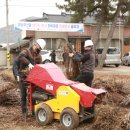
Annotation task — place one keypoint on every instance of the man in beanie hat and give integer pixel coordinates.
(26, 59)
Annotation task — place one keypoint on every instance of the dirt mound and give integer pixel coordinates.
(117, 87)
(112, 113)
(7, 83)
(7, 75)
(111, 118)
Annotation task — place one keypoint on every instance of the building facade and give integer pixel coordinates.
(57, 40)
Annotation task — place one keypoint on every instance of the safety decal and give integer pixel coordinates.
(49, 87)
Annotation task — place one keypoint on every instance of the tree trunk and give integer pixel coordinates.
(100, 21)
(110, 35)
(96, 34)
(72, 67)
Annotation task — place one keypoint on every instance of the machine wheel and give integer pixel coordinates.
(44, 115)
(69, 119)
(117, 65)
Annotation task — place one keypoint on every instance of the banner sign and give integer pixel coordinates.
(49, 26)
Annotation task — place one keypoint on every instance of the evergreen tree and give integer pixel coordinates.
(104, 11)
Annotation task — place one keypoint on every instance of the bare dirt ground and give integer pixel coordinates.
(113, 113)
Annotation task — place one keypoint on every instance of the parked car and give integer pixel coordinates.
(113, 56)
(46, 56)
(3, 45)
(126, 59)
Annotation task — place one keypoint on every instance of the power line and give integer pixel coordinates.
(29, 0)
(28, 5)
(32, 5)
(36, 0)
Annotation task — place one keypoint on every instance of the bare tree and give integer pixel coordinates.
(120, 5)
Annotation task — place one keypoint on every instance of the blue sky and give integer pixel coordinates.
(20, 9)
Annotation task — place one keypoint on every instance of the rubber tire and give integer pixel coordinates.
(74, 117)
(117, 65)
(48, 113)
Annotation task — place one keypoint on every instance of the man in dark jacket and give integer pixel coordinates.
(53, 56)
(88, 64)
(26, 60)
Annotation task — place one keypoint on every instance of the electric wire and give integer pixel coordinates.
(28, 5)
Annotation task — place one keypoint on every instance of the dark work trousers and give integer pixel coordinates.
(23, 94)
(85, 77)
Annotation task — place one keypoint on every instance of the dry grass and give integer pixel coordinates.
(7, 75)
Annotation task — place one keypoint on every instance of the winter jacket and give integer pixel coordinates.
(53, 56)
(23, 59)
(88, 61)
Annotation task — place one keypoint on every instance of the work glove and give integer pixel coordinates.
(30, 66)
(18, 79)
(71, 54)
(77, 57)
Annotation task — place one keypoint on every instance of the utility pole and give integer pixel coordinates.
(7, 35)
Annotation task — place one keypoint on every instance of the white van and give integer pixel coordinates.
(113, 56)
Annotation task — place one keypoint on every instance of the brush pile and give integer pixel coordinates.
(7, 83)
(113, 113)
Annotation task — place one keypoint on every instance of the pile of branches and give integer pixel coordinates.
(7, 82)
(114, 118)
(117, 87)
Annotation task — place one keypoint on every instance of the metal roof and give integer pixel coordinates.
(61, 18)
